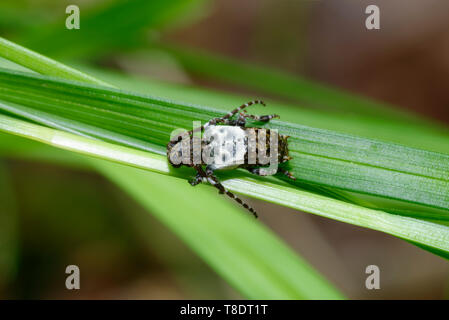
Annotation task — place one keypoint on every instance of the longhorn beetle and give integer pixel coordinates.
(229, 146)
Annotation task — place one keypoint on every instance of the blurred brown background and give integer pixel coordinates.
(405, 63)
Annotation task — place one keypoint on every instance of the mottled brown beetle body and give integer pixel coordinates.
(235, 150)
(283, 155)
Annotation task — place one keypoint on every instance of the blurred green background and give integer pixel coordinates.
(52, 216)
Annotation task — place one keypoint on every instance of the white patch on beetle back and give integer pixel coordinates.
(226, 146)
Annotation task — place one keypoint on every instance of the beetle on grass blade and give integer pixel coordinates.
(228, 144)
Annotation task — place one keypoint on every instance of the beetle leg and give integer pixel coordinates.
(268, 172)
(229, 115)
(240, 122)
(265, 118)
(243, 106)
(213, 180)
(224, 119)
(263, 171)
(197, 180)
(287, 173)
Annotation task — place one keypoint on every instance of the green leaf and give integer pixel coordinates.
(431, 138)
(320, 157)
(432, 236)
(40, 63)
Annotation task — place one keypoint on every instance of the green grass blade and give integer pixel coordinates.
(40, 63)
(390, 130)
(320, 157)
(431, 236)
